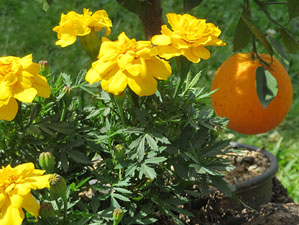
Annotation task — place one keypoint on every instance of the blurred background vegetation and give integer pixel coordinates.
(26, 28)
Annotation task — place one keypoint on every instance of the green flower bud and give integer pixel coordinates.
(91, 44)
(47, 161)
(46, 210)
(57, 186)
(117, 216)
(68, 94)
(119, 151)
(44, 67)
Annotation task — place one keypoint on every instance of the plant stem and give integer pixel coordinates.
(64, 208)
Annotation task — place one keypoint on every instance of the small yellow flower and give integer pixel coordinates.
(19, 79)
(188, 37)
(128, 62)
(15, 192)
(73, 24)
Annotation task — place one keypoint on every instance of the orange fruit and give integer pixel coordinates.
(237, 100)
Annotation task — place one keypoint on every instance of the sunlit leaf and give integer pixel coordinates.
(257, 33)
(266, 86)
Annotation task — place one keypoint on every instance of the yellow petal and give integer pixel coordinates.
(188, 53)
(16, 201)
(92, 76)
(158, 68)
(11, 216)
(9, 111)
(41, 85)
(161, 40)
(26, 61)
(124, 60)
(143, 86)
(201, 52)
(5, 91)
(25, 95)
(166, 52)
(134, 69)
(31, 205)
(115, 83)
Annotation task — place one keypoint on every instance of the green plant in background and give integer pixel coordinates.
(141, 146)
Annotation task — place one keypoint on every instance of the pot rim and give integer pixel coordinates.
(268, 174)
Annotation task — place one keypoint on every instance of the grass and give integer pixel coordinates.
(25, 28)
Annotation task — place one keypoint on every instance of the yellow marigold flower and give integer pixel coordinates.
(19, 79)
(15, 186)
(188, 37)
(73, 24)
(128, 62)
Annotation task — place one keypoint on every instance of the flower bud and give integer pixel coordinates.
(44, 67)
(68, 94)
(57, 186)
(117, 216)
(47, 161)
(91, 44)
(119, 151)
(46, 210)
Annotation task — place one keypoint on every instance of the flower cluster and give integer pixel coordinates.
(188, 37)
(19, 79)
(73, 24)
(128, 62)
(15, 192)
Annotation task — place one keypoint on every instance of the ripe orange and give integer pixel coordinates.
(237, 100)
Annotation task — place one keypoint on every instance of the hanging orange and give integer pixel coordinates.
(237, 100)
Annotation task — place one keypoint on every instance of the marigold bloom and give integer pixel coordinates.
(15, 186)
(73, 24)
(128, 62)
(188, 37)
(19, 79)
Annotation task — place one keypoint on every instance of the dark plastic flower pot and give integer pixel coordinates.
(257, 190)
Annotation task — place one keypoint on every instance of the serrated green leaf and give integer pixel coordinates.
(140, 149)
(155, 160)
(190, 4)
(122, 190)
(257, 33)
(220, 184)
(66, 79)
(266, 86)
(289, 41)
(293, 8)
(148, 172)
(78, 156)
(121, 197)
(151, 142)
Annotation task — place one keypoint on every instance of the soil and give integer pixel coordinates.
(219, 209)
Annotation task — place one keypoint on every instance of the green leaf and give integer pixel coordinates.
(257, 33)
(78, 156)
(293, 7)
(122, 190)
(147, 171)
(220, 184)
(280, 49)
(151, 142)
(120, 197)
(242, 35)
(135, 6)
(140, 149)
(289, 41)
(190, 4)
(266, 86)
(155, 160)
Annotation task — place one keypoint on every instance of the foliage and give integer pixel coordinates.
(146, 166)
